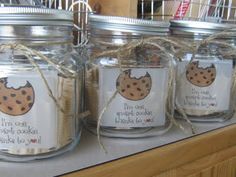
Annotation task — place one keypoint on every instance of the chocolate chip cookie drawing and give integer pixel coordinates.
(133, 88)
(18, 101)
(201, 77)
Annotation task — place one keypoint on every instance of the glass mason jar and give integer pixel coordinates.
(40, 81)
(204, 80)
(126, 91)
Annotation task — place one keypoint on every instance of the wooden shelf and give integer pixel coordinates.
(211, 154)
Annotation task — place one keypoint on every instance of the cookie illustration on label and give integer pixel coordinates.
(201, 77)
(18, 101)
(133, 88)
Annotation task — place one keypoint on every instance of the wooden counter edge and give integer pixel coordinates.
(164, 158)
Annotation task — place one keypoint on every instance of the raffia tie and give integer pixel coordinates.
(122, 53)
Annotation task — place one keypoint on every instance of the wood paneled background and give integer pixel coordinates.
(126, 8)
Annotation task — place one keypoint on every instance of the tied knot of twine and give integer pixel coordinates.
(127, 52)
(121, 52)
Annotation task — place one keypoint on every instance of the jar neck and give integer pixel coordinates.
(113, 37)
(119, 37)
(35, 34)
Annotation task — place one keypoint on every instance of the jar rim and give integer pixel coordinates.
(116, 23)
(35, 16)
(198, 27)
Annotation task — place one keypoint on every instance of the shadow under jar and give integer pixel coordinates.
(204, 81)
(40, 84)
(126, 90)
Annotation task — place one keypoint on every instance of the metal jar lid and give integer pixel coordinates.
(196, 28)
(35, 16)
(124, 24)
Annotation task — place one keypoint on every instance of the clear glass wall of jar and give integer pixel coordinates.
(41, 82)
(130, 88)
(204, 82)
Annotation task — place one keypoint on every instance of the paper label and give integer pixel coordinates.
(141, 97)
(27, 113)
(204, 85)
